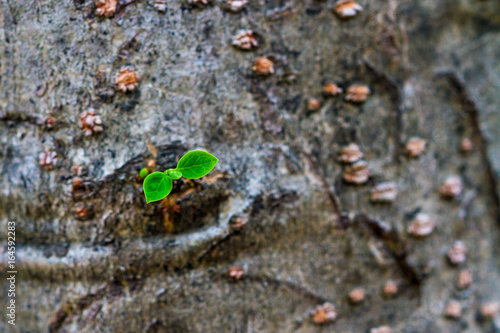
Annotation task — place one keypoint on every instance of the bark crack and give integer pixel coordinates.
(394, 245)
(334, 200)
(392, 87)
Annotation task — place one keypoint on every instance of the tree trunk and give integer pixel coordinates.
(274, 231)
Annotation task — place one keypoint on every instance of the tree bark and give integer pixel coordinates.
(95, 258)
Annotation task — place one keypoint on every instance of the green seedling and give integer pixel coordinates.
(193, 165)
(143, 173)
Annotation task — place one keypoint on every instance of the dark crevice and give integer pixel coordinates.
(113, 290)
(215, 246)
(392, 87)
(12, 119)
(334, 200)
(395, 246)
(67, 309)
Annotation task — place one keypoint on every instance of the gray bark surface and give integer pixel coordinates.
(434, 72)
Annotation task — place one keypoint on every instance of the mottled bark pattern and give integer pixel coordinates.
(96, 258)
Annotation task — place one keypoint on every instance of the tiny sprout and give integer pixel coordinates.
(143, 173)
(174, 174)
(193, 165)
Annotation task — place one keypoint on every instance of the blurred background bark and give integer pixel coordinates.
(93, 257)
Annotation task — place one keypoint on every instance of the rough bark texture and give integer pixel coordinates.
(433, 68)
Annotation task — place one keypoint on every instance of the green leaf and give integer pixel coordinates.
(143, 173)
(157, 186)
(196, 164)
(174, 174)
